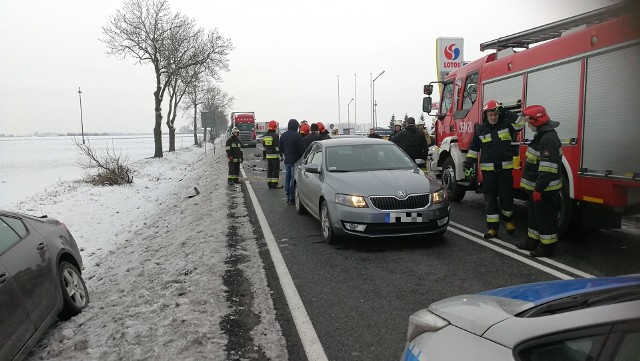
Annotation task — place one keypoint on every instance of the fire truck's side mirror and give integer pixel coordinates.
(428, 89)
(426, 105)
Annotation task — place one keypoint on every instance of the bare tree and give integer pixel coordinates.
(149, 32)
(210, 98)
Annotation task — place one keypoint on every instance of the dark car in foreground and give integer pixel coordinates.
(570, 320)
(40, 280)
(366, 187)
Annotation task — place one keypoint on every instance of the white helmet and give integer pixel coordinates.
(420, 122)
(398, 122)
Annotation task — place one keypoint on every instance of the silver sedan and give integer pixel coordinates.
(369, 188)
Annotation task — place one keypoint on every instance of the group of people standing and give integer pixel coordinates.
(541, 178)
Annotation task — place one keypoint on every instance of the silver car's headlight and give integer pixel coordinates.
(439, 196)
(351, 200)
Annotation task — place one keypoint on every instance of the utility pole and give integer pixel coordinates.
(355, 103)
(339, 122)
(81, 123)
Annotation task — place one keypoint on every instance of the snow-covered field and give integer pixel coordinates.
(155, 264)
(34, 164)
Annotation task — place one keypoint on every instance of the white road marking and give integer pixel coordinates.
(310, 341)
(544, 259)
(512, 255)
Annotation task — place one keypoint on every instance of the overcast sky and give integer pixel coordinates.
(285, 64)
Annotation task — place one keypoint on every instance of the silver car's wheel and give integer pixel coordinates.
(74, 291)
(325, 221)
(299, 207)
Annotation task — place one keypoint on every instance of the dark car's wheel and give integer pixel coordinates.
(325, 221)
(454, 189)
(74, 291)
(299, 207)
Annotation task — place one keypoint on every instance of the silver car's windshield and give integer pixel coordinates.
(366, 157)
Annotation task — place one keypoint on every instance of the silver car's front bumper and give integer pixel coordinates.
(435, 218)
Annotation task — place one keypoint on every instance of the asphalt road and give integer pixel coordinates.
(360, 293)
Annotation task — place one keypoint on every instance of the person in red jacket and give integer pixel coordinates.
(542, 179)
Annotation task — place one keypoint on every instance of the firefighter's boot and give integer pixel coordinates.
(492, 233)
(528, 245)
(511, 227)
(543, 250)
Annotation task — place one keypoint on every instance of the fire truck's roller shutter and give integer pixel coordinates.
(612, 113)
(506, 91)
(558, 90)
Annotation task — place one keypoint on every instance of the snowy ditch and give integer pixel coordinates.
(169, 277)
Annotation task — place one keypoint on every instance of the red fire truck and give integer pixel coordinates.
(586, 73)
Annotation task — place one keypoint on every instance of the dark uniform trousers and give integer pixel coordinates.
(273, 171)
(497, 187)
(234, 170)
(542, 219)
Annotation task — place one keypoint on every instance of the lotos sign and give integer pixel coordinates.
(449, 55)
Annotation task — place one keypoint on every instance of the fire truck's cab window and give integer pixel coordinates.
(470, 91)
(457, 94)
(447, 99)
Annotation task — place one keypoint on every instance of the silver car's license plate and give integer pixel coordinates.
(403, 217)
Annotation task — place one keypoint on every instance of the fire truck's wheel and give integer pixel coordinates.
(456, 191)
(565, 208)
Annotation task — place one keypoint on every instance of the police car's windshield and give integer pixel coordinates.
(366, 157)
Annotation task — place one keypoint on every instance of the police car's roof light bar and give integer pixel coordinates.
(554, 30)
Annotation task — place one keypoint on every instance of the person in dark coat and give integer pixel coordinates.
(397, 128)
(233, 147)
(324, 133)
(412, 141)
(373, 134)
(542, 179)
(271, 153)
(292, 148)
(313, 136)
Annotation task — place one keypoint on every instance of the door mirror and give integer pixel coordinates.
(426, 105)
(428, 89)
(312, 168)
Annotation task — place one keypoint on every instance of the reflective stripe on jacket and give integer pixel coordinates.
(542, 170)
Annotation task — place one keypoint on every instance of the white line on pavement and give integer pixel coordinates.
(310, 341)
(512, 255)
(544, 259)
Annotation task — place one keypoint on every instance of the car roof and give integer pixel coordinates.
(352, 140)
(487, 313)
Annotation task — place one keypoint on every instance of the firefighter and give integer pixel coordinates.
(271, 153)
(492, 140)
(324, 133)
(542, 180)
(304, 129)
(397, 128)
(234, 155)
(421, 125)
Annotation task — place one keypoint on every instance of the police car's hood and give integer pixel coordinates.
(381, 183)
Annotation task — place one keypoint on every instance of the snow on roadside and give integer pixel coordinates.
(154, 265)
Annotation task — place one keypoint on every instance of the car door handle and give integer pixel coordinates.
(41, 246)
(3, 277)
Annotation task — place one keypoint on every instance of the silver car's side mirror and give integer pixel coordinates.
(312, 168)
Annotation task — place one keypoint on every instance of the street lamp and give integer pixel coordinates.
(348, 117)
(81, 123)
(373, 99)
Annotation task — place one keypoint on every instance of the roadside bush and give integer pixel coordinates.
(103, 166)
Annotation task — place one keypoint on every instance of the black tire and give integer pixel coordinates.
(299, 206)
(566, 219)
(75, 296)
(455, 191)
(325, 225)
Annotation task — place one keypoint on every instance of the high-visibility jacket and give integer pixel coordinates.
(234, 149)
(493, 142)
(271, 142)
(542, 167)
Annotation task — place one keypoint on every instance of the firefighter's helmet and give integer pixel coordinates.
(536, 114)
(273, 125)
(304, 128)
(420, 122)
(398, 122)
(491, 106)
(321, 127)
(235, 130)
